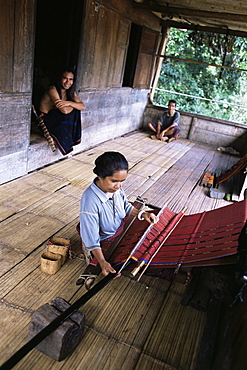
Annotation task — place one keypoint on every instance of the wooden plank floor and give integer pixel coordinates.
(129, 324)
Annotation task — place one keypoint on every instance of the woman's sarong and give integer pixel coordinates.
(64, 128)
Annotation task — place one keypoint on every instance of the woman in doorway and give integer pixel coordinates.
(104, 207)
(60, 107)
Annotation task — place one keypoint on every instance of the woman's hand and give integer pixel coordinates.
(150, 217)
(106, 267)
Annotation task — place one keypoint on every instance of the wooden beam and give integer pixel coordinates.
(203, 63)
(196, 27)
(171, 11)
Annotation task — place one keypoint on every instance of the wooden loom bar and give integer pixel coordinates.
(140, 241)
(53, 325)
(187, 245)
(181, 213)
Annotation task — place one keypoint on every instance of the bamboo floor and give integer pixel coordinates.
(129, 324)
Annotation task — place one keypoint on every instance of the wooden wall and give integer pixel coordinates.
(105, 39)
(111, 109)
(16, 45)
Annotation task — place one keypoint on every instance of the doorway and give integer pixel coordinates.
(57, 42)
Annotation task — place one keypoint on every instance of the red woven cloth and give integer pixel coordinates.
(198, 239)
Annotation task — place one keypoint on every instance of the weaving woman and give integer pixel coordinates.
(60, 107)
(104, 207)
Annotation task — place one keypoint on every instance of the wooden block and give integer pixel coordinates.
(62, 342)
(205, 179)
(211, 181)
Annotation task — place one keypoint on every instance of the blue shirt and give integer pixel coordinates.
(101, 216)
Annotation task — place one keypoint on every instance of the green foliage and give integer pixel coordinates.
(200, 88)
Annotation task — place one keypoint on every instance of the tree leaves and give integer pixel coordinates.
(217, 89)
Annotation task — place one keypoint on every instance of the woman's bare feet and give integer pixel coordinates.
(154, 137)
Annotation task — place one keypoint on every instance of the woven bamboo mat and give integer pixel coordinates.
(127, 320)
(14, 328)
(135, 186)
(9, 257)
(35, 181)
(44, 181)
(88, 156)
(25, 231)
(30, 188)
(169, 341)
(19, 307)
(27, 195)
(10, 280)
(25, 268)
(140, 142)
(6, 211)
(129, 325)
(45, 287)
(57, 206)
(132, 154)
(69, 169)
(145, 169)
(133, 334)
(184, 176)
(75, 189)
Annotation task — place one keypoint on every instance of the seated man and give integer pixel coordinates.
(60, 108)
(167, 128)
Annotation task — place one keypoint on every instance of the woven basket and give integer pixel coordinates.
(50, 262)
(60, 246)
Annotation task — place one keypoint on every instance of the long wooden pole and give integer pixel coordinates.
(23, 351)
(39, 337)
(201, 63)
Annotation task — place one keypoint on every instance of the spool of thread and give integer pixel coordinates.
(228, 197)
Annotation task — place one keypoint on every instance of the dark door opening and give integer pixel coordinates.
(132, 54)
(57, 41)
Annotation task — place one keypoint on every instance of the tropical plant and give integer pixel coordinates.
(197, 84)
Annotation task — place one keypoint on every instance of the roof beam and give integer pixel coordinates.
(171, 11)
(195, 27)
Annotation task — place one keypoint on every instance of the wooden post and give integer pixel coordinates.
(192, 128)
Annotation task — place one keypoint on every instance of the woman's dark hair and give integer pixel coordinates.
(70, 92)
(109, 163)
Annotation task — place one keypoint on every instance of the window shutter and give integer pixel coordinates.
(146, 59)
